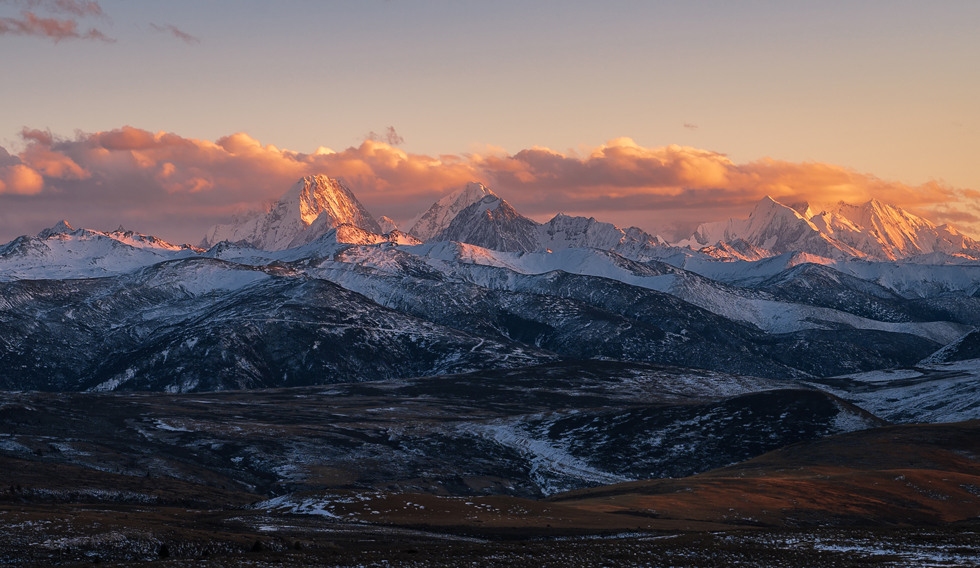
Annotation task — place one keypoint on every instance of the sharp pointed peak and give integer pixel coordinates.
(316, 184)
(768, 202)
(309, 208)
(61, 227)
(877, 205)
(317, 178)
(387, 224)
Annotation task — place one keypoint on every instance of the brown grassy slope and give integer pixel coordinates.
(34, 481)
(897, 475)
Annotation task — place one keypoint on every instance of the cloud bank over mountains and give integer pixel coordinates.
(175, 187)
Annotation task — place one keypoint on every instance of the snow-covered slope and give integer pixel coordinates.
(738, 249)
(493, 224)
(350, 234)
(62, 252)
(914, 280)
(774, 227)
(437, 218)
(572, 286)
(887, 232)
(474, 209)
(964, 348)
(564, 232)
(941, 392)
(386, 224)
(744, 273)
(310, 209)
(335, 241)
(872, 230)
(755, 308)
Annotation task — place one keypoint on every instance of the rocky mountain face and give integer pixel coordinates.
(313, 206)
(206, 324)
(490, 222)
(774, 227)
(493, 224)
(886, 232)
(563, 232)
(437, 218)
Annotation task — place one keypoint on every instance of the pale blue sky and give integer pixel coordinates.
(886, 87)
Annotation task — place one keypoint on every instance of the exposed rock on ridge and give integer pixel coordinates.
(492, 223)
(873, 230)
(309, 210)
(437, 218)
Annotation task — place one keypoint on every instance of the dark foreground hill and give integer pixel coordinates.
(526, 432)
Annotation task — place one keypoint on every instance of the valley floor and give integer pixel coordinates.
(113, 535)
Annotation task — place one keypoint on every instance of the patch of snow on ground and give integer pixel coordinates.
(548, 463)
(945, 392)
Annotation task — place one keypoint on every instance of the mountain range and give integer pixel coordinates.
(873, 230)
(475, 215)
(278, 298)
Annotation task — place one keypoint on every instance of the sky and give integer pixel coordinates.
(168, 117)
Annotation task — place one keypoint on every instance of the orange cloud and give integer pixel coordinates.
(30, 24)
(623, 169)
(52, 164)
(16, 178)
(676, 187)
(176, 187)
(20, 180)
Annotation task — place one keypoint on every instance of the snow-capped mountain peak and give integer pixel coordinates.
(888, 232)
(310, 209)
(437, 218)
(771, 225)
(61, 227)
(492, 223)
(387, 224)
(564, 231)
(870, 230)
